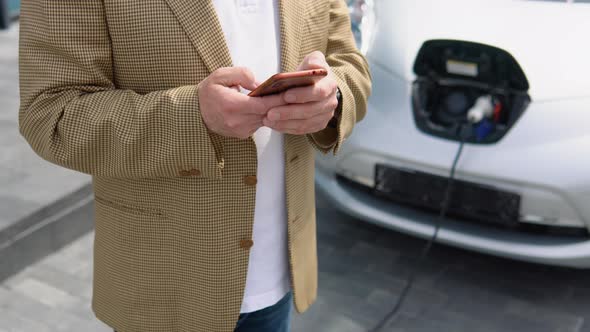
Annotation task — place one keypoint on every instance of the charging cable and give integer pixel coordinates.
(392, 315)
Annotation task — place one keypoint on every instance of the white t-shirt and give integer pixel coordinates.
(251, 29)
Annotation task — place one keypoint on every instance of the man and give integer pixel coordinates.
(205, 207)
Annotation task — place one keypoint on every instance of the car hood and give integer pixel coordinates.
(548, 39)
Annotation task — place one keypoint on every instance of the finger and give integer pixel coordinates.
(295, 112)
(244, 123)
(232, 76)
(271, 101)
(302, 111)
(287, 127)
(300, 127)
(323, 89)
(314, 60)
(258, 105)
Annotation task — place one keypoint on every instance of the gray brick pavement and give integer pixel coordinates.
(53, 294)
(362, 271)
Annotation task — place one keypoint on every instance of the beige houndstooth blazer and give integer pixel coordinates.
(108, 88)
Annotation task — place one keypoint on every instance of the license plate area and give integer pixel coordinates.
(469, 200)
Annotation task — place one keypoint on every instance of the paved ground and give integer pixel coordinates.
(363, 269)
(27, 183)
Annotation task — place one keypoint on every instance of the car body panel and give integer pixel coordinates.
(546, 38)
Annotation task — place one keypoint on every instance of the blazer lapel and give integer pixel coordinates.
(199, 20)
(291, 16)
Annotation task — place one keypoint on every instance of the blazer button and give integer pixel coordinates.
(246, 244)
(184, 173)
(195, 172)
(250, 180)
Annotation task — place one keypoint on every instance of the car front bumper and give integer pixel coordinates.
(545, 249)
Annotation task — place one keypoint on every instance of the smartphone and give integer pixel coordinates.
(285, 81)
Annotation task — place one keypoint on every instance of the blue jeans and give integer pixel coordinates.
(276, 318)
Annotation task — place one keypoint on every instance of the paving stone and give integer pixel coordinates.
(339, 323)
(12, 208)
(577, 303)
(337, 242)
(74, 285)
(586, 326)
(14, 322)
(74, 259)
(374, 255)
(55, 320)
(418, 301)
(92, 325)
(44, 293)
(425, 272)
(562, 322)
(443, 321)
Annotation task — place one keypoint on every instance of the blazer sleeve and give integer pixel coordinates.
(73, 115)
(351, 71)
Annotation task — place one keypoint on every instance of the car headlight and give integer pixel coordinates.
(362, 18)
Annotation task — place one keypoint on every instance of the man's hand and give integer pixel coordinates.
(309, 108)
(227, 111)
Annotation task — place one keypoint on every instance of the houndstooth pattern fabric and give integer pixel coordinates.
(109, 88)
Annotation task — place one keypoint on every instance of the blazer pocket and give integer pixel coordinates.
(130, 208)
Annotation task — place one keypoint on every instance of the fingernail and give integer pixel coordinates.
(290, 98)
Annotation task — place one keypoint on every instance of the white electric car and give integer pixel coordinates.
(510, 79)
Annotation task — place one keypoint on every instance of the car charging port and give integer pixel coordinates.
(462, 82)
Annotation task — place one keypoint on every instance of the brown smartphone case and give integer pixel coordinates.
(283, 81)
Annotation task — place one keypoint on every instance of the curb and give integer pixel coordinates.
(46, 231)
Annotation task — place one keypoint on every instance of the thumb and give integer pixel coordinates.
(314, 60)
(232, 76)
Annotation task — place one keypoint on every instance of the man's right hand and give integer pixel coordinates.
(227, 111)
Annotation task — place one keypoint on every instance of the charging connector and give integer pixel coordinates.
(482, 109)
(481, 114)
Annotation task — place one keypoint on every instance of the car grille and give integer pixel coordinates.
(581, 232)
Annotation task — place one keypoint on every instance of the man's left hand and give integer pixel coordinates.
(309, 108)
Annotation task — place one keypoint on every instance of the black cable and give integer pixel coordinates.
(392, 315)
